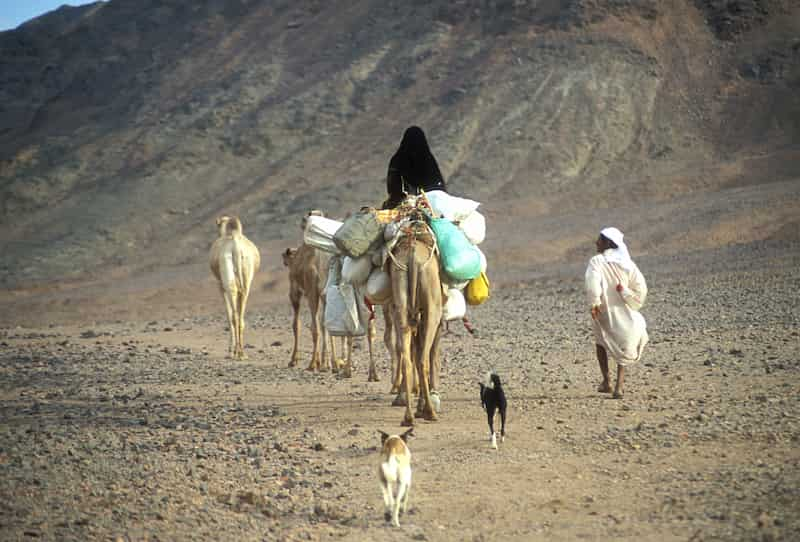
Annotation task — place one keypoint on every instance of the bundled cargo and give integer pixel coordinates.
(379, 287)
(454, 307)
(345, 311)
(461, 260)
(319, 232)
(356, 270)
(474, 227)
(453, 208)
(359, 233)
(477, 290)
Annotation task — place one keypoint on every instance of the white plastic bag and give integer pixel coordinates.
(356, 270)
(379, 287)
(355, 310)
(345, 311)
(460, 285)
(451, 207)
(474, 227)
(456, 305)
(335, 311)
(319, 233)
(483, 259)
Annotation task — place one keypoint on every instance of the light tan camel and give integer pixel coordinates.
(390, 340)
(308, 272)
(234, 260)
(417, 302)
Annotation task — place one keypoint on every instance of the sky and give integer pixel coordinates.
(15, 12)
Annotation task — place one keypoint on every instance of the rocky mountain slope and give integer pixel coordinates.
(126, 126)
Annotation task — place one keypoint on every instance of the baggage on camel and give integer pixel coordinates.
(478, 289)
(461, 260)
(359, 232)
(345, 311)
(319, 233)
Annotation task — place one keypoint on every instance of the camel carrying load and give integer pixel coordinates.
(417, 260)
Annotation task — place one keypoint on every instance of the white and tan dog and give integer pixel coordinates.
(395, 468)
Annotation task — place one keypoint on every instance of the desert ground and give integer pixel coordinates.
(140, 428)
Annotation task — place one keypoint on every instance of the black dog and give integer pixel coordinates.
(493, 398)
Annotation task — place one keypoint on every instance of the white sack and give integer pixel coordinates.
(474, 227)
(379, 287)
(335, 311)
(483, 260)
(356, 310)
(345, 311)
(319, 233)
(450, 207)
(460, 285)
(356, 270)
(456, 305)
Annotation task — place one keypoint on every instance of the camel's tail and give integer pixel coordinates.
(238, 264)
(239, 254)
(413, 286)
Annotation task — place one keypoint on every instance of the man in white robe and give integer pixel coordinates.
(616, 291)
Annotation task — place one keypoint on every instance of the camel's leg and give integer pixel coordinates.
(327, 342)
(347, 369)
(295, 297)
(373, 373)
(426, 340)
(436, 360)
(334, 358)
(228, 296)
(416, 375)
(418, 364)
(403, 335)
(389, 341)
(314, 306)
(327, 359)
(405, 361)
(243, 295)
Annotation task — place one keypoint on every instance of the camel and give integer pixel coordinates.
(307, 276)
(308, 272)
(417, 314)
(234, 260)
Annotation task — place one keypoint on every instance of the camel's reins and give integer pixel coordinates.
(434, 248)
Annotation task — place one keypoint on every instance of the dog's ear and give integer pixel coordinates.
(384, 436)
(409, 433)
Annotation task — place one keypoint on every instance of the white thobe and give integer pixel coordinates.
(620, 328)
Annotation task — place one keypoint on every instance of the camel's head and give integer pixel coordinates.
(312, 212)
(288, 256)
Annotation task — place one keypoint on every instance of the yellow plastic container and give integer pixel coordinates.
(477, 290)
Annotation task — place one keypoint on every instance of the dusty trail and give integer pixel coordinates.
(144, 431)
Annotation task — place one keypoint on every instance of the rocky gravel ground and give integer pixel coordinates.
(145, 431)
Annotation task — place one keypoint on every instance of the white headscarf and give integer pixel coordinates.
(620, 254)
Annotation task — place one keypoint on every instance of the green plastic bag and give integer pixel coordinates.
(460, 259)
